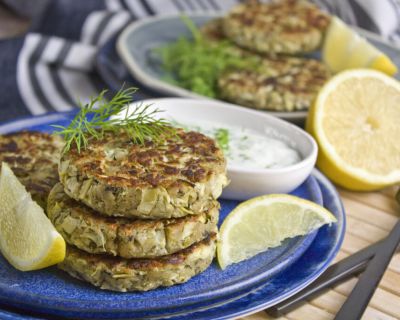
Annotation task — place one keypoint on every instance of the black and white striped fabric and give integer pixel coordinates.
(55, 64)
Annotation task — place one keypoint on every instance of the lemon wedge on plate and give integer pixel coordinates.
(344, 49)
(28, 240)
(264, 222)
(355, 120)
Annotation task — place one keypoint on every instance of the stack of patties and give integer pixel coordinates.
(277, 35)
(139, 216)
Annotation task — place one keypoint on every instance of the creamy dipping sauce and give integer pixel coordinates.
(247, 148)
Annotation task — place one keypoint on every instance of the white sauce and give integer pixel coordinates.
(247, 148)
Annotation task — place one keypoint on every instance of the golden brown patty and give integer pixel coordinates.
(278, 27)
(81, 226)
(281, 84)
(33, 157)
(117, 177)
(118, 274)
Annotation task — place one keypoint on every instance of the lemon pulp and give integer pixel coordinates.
(264, 222)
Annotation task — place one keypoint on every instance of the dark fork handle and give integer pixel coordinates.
(347, 267)
(358, 300)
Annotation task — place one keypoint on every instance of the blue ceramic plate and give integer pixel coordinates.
(281, 286)
(53, 291)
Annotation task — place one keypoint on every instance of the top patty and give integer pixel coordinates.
(118, 177)
(33, 157)
(278, 27)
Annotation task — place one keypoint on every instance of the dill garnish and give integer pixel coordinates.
(197, 63)
(93, 121)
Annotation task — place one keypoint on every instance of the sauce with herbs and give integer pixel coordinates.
(248, 148)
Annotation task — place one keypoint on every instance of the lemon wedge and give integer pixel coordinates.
(264, 222)
(344, 49)
(355, 121)
(28, 240)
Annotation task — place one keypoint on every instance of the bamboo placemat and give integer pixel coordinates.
(370, 217)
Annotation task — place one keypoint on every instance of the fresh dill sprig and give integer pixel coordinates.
(196, 63)
(93, 121)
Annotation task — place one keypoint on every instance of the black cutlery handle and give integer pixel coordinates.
(358, 300)
(336, 273)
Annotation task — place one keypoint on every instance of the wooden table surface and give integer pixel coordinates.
(370, 216)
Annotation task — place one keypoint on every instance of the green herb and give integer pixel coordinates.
(197, 63)
(93, 121)
(222, 137)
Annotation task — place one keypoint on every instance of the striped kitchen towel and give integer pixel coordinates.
(52, 68)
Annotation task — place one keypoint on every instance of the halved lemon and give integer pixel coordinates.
(28, 240)
(344, 49)
(264, 222)
(355, 120)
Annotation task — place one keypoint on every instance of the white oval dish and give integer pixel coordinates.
(247, 183)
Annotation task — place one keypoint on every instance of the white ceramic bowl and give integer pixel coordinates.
(247, 183)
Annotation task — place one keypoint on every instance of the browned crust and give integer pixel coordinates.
(123, 275)
(111, 263)
(117, 177)
(275, 16)
(281, 26)
(33, 157)
(191, 158)
(282, 84)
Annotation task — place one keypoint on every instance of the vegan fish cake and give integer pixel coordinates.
(118, 274)
(33, 157)
(277, 27)
(81, 226)
(116, 177)
(281, 84)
